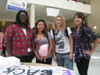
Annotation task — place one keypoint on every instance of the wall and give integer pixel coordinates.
(70, 23)
(4, 24)
(64, 4)
(94, 18)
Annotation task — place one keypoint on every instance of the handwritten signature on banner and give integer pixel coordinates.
(37, 70)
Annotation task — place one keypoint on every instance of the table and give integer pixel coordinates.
(37, 69)
(37, 64)
(48, 69)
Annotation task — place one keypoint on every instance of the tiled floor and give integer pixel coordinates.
(94, 67)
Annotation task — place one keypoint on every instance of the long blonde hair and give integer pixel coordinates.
(63, 22)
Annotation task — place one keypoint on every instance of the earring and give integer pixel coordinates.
(83, 22)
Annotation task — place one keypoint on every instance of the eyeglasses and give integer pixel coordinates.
(23, 16)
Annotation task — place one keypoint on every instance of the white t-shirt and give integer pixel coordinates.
(24, 30)
(62, 43)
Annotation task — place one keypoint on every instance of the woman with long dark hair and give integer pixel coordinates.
(81, 37)
(18, 38)
(42, 37)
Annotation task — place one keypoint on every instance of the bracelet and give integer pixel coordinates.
(54, 57)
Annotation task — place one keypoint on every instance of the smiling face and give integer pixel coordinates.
(22, 17)
(58, 22)
(40, 26)
(77, 20)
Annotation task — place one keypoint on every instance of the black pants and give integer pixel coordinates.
(27, 58)
(83, 66)
(48, 61)
(3, 52)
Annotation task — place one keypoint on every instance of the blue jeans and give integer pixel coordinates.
(63, 60)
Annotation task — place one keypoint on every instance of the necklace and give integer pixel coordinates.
(25, 32)
(26, 36)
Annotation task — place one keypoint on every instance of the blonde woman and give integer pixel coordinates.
(63, 42)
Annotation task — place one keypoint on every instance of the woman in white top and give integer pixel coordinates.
(63, 42)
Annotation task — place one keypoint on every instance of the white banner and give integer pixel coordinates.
(36, 70)
(16, 5)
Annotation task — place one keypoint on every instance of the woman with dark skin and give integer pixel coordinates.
(18, 38)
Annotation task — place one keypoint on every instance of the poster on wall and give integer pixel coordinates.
(16, 5)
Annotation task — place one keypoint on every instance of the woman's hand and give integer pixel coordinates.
(87, 52)
(45, 57)
(54, 58)
(39, 58)
(70, 56)
(9, 55)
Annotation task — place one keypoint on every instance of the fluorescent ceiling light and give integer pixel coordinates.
(52, 11)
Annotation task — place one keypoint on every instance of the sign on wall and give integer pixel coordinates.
(16, 5)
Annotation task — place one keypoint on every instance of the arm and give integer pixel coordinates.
(93, 48)
(8, 47)
(53, 42)
(71, 43)
(38, 57)
(91, 36)
(96, 42)
(8, 37)
(54, 56)
(53, 46)
(71, 47)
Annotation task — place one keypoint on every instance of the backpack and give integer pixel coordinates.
(66, 31)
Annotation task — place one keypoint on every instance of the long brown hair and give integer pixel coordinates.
(84, 24)
(45, 28)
